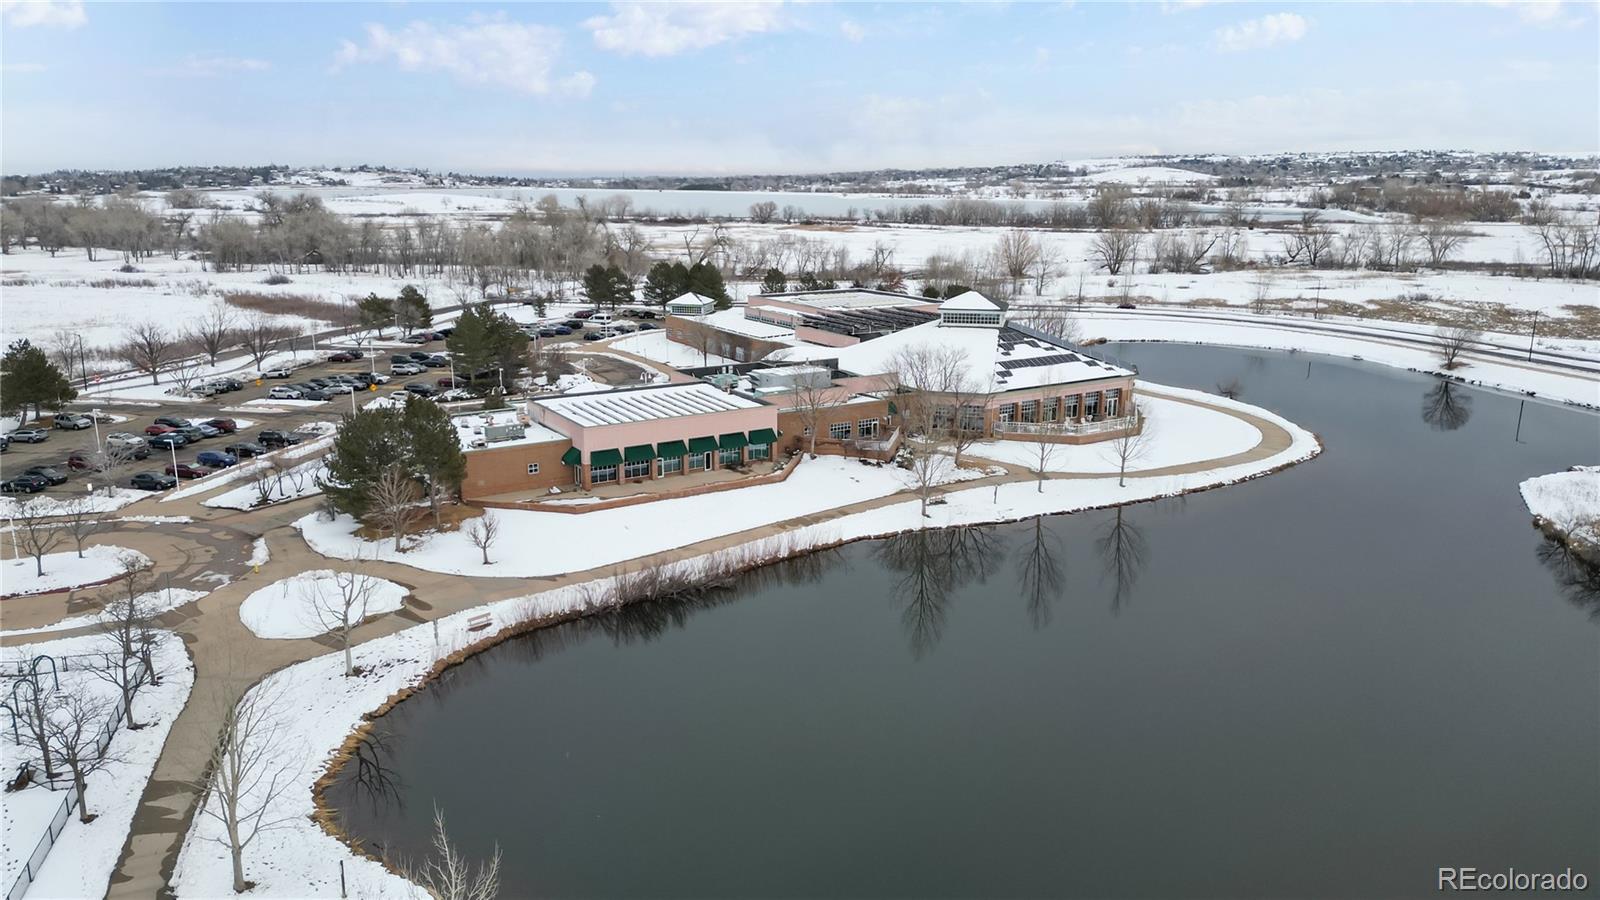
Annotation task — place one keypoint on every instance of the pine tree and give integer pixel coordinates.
(31, 379)
(774, 282)
(367, 443)
(435, 451)
(469, 343)
(705, 279)
(413, 309)
(621, 285)
(376, 312)
(665, 282)
(597, 286)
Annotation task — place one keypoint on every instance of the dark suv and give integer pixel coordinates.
(276, 439)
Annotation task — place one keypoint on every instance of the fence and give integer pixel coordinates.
(1125, 423)
(58, 822)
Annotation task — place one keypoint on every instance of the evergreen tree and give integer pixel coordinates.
(368, 443)
(469, 342)
(621, 285)
(435, 451)
(29, 378)
(413, 309)
(376, 313)
(598, 287)
(706, 280)
(666, 281)
(774, 282)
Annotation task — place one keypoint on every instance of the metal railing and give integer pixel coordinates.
(58, 821)
(1101, 426)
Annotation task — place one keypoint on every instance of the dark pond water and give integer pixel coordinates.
(1329, 682)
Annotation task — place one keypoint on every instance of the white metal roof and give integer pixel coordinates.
(997, 359)
(645, 404)
(971, 300)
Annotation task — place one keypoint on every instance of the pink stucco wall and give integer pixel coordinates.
(678, 428)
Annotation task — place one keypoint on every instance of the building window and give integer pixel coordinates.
(1113, 401)
(602, 474)
(942, 415)
(964, 317)
(839, 431)
(1069, 409)
(867, 428)
(760, 451)
(638, 469)
(738, 354)
(1030, 410)
(1091, 405)
(1008, 412)
(533, 468)
(971, 417)
(729, 457)
(1049, 409)
(670, 466)
(699, 462)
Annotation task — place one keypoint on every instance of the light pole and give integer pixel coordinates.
(16, 553)
(1532, 334)
(94, 419)
(173, 447)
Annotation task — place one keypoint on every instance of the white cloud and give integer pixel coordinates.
(852, 31)
(1253, 34)
(666, 29)
(1534, 12)
(23, 68)
(1530, 70)
(48, 13)
(1178, 6)
(487, 50)
(210, 66)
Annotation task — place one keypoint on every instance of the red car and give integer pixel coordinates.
(226, 426)
(449, 382)
(344, 356)
(154, 430)
(185, 470)
(80, 461)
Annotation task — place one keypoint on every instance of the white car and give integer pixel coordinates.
(284, 393)
(406, 369)
(280, 372)
(123, 439)
(378, 377)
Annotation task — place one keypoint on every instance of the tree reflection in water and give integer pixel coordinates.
(1124, 551)
(1446, 406)
(366, 779)
(935, 563)
(1040, 573)
(1578, 578)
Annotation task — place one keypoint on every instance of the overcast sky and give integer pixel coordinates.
(781, 87)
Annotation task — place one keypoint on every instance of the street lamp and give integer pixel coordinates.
(94, 418)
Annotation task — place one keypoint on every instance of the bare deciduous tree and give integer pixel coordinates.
(1044, 446)
(1453, 341)
(149, 346)
(213, 332)
(35, 532)
(1442, 238)
(72, 728)
(1132, 444)
(339, 611)
(260, 336)
(483, 532)
(447, 875)
(1114, 248)
(128, 626)
(811, 399)
(394, 498)
(1016, 254)
(80, 520)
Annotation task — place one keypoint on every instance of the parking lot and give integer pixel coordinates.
(286, 417)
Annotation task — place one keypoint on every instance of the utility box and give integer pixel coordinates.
(788, 378)
(496, 433)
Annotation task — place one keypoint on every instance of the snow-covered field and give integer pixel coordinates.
(81, 862)
(1570, 501)
(310, 603)
(64, 569)
(322, 706)
(1192, 433)
(299, 481)
(655, 345)
(60, 504)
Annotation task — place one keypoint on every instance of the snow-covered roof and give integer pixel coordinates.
(998, 359)
(691, 298)
(734, 322)
(845, 298)
(973, 301)
(645, 404)
(470, 429)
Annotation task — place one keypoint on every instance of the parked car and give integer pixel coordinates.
(648, 326)
(192, 433)
(345, 356)
(216, 459)
(592, 335)
(73, 422)
(338, 389)
(420, 389)
(419, 355)
(317, 394)
(230, 384)
(583, 314)
(80, 461)
(406, 368)
(276, 439)
(103, 418)
(244, 449)
(377, 378)
(451, 381)
(220, 387)
(208, 431)
(1126, 305)
(283, 392)
(562, 329)
(185, 470)
(150, 481)
(280, 372)
(545, 333)
(5, 442)
(436, 362)
(123, 440)
(52, 475)
(159, 429)
(600, 318)
(204, 390)
(30, 435)
(573, 323)
(172, 440)
(414, 339)
(443, 333)
(226, 426)
(24, 484)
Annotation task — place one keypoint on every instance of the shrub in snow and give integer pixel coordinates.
(276, 278)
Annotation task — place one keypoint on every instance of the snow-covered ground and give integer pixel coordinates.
(249, 468)
(64, 569)
(299, 481)
(81, 862)
(1569, 501)
(154, 603)
(1263, 332)
(60, 504)
(1192, 433)
(323, 707)
(546, 543)
(310, 603)
(655, 345)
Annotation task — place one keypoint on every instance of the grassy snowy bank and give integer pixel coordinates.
(323, 712)
(1566, 505)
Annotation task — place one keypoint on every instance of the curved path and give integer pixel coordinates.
(228, 658)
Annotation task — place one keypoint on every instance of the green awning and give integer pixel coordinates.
(763, 436)
(733, 440)
(639, 453)
(671, 450)
(702, 444)
(605, 457)
(572, 457)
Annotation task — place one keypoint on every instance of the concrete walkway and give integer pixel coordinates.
(228, 658)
